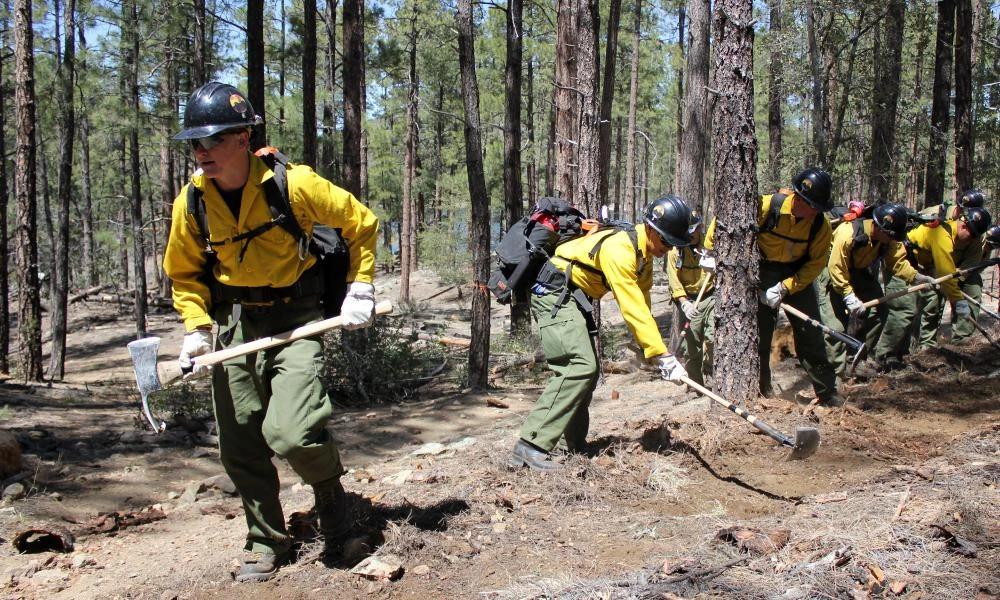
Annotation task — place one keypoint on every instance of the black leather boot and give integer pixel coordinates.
(331, 510)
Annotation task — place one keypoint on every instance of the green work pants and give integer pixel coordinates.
(809, 344)
(899, 322)
(270, 403)
(930, 306)
(868, 329)
(963, 329)
(563, 409)
(697, 344)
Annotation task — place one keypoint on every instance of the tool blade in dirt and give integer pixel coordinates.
(806, 438)
(855, 344)
(143, 353)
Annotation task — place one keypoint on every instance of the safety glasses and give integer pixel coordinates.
(211, 141)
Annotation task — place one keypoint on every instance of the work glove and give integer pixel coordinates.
(690, 309)
(359, 305)
(670, 368)
(707, 263)
(855, 306)
(774, 295)
(196, 343)
(962, 309)
(921, 278)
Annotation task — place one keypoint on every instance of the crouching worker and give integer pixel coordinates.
(618, 260)
(259, 284)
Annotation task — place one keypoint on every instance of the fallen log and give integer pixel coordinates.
(445, 340)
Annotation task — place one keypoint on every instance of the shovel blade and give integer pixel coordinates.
(143, 353)
(806, 443)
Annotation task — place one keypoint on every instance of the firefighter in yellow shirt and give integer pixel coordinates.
(794, 242)
(689, 275)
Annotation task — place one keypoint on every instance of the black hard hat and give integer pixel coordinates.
(993, 236)
(977, 219)
(814, 185)
(216, 107)
(892, 219)
(972, 198)
(671, 217)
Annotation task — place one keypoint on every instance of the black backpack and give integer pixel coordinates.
(326, 243)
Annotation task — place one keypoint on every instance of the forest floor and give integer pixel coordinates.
(677, 498)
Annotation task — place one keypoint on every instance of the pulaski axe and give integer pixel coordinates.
(857, 347)
(144, 351)
(806, 438)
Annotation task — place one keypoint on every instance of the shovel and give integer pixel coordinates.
(806, 438)
(857, 346)
(143, 353)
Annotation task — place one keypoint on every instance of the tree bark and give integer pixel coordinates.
(775, 95)
(520, 317)
(479, 227)
(255, 70)
(964, 141)
(408, 231)
(67, 130)
(130, 35)
(691, 175)
(607, 98)
(353, 76)
(29, 329)
(88, 246)
(819, 98)
(633, 99)
(327, 162)
(887, 65)
(4, 205)
(309, 82)
(588, 86)
(938, 149)
(736, 202)
(565, 99)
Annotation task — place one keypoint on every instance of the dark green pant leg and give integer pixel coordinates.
(930, 305)
(899, 321)
(569, 352)
(963, 329)
(698, 341)
(810, 345)
(831, 313)
(240, 405)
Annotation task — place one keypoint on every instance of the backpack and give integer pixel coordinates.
(771, 221)
(328, 246)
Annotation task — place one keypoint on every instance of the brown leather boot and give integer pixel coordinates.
(260, 566)
(331, 510)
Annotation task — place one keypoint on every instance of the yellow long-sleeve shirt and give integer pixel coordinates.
(933, 248)
(776, 246)
(272, 258)
(846, 254)
(685, 279)
(614, 269)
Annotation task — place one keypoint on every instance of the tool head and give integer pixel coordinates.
(859, 356)
(143, 353)
(806, 443)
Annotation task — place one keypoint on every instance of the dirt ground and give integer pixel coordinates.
(677, 497)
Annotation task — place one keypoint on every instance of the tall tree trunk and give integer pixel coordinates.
(887, 59)
(914, 179)
(834, 142)
(353, 76)
(67, 124)
(679, 120)
(309, 82)
(520, 317)
(29, 324)
(566, 101)
(691, 176)
(88, 259)
(282, 71)
(255, 69)
(633, 100)
(167, 108)
(327, 163)
(938, 149)
(131, 38)
(964, 142)
(408, 230)
(4, 205)
(607, 97)
(479, 226)
(589, 94)
(819, 99)
(775, 95)
(736, 201)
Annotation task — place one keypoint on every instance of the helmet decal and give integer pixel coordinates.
(239, 103)
(658, 211)
(807, 183)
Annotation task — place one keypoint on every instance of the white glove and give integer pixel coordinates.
(855, 306)
(774, 295)
(690, 309)
(670, 368)
(962, 309)
(359, 305)
(707, 262)
(921, 278)
(196, 343)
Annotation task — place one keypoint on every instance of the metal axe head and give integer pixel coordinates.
(143, 353)
(859, 356)
(806, 443)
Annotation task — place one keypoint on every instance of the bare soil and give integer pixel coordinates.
(677, 497)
